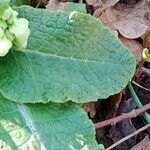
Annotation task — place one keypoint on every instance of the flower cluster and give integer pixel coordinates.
(13, 30)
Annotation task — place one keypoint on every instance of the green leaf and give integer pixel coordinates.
(70, 56)
(4, 4)
(45, 127)
(70, 6)
(19, 2)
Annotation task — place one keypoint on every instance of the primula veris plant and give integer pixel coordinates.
(54, 61)
(13, 30)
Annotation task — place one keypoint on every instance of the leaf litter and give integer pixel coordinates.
(130, 21)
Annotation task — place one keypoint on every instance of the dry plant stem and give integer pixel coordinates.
(40, 2)
(129, 136)
(117, 119)
(146, 71)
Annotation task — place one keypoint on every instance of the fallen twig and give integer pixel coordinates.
(129, 136)
(135, 83)
(117, 119)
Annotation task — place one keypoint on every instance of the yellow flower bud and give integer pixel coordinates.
(146, 54)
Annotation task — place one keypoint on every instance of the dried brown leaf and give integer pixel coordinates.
(135, 47)
(147, 16)
(55, 5)
(90, 108)
(108, 15)
(98, 12)
(66, 0)
(102, 3)
(113, 104)
(94, 2)
(146, 40)
(109, 3)
(143, 145)
(131, 28)
(129, 21)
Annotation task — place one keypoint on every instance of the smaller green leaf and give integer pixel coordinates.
(45, 127)
(19, 2)
(69, 6)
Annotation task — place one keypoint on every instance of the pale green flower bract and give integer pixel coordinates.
(13, 30)
(5, 45)
(21, 31)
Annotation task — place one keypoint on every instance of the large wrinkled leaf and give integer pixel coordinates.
(45, 126)
(70, 56)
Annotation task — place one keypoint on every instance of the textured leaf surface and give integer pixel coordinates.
(70, 6)
(45, 127)
(19, 2)
(70, 56)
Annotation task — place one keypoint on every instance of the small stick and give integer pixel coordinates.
(135, 83)
(129, 136)
(117, 119)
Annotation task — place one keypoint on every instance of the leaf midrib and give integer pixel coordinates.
(59, 56)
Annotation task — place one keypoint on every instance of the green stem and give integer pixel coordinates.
(137, 101)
